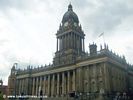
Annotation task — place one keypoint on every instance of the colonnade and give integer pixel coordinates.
(53, 85)
(70, 40)
(90, 78)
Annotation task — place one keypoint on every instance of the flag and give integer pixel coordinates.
(101, 34)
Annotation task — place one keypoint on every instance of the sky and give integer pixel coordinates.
(28, 28)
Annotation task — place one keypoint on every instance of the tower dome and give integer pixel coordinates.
(70, 15)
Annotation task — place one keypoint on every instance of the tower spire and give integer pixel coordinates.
(70, 8)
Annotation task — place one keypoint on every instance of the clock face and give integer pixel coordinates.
(75, 24)
(66, 24)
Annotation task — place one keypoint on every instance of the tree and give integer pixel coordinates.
(1, 96)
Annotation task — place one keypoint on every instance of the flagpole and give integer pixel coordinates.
(103, 39)
(102, 34)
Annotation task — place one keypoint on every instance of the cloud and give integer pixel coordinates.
(18, 4)
(3, 42)
(106, 15)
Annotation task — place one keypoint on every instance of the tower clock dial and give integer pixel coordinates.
(66, 24)
(75, 24)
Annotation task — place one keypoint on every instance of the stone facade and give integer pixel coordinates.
(74, 73)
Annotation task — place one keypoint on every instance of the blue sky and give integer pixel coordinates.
(28, 28)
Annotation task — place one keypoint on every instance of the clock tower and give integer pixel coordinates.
(70, 39)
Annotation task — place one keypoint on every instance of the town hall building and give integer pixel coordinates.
(74, 73)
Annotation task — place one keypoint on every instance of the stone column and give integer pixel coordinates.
(78, 38)
(33, 86)
(95, 88)
(48, 85)
(58, 82)
(36, 85)
(68, 82)
(64, 41)
(53, 85)
(44, 80)
(80, 44)
(68, 40)
(88, 78)
(83, 45)
(79, 80)
(26, 85)
(74, 40)
(40, 85)
(106, 77)
(23, 85)
(74, 83)
(63, 83)
(19, 86)
(71, 41)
